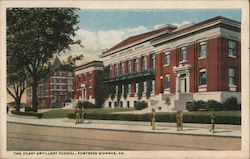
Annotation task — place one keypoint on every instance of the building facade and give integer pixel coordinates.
(54, 91)
(85, 76)
(192, 62)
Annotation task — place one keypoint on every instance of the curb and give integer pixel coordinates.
(134, 131)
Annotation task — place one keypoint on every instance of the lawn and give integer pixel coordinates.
(217, 113)
(62, 113)
(223, 117)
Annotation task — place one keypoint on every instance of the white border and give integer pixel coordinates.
(195, 4)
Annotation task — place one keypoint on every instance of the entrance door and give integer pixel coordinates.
(183, 85)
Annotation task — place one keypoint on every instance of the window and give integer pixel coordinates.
(203, 50)
(153, 85)
(136, 65)
(167, 58)
(116, 69)
(128, 66)
(90, 91)
(144, 63)
(136, 87)
(167, 81)
(83, 77)
(144, 86)
(231, 48)
(122, 68)
(90, 77)
(128, 104)
(203, 77)
(184, 54)
(152, 61)
(129, 88)
(232, 76)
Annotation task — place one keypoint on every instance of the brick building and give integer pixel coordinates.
(55, 90)
(192, 62)
(85, 75)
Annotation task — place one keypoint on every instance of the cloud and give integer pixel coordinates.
(95, 42)
(182, 23)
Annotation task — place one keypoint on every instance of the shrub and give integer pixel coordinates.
(28, 109)
(197, 117)
(231, 104)
(196, 105)
(141, 105)
(89, 105)
(39, 115)
(79, 104)
(213, 104)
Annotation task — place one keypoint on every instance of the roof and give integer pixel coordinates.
(89, 64)
(193, 27)
(139, 37)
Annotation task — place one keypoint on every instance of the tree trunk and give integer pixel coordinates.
(34, 95)
(18, 102)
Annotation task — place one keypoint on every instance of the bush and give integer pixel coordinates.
(141, 105)
(231, 104)
(190, 117)
(196, 105)
(86, 105)
(213, 104)
(28, 109)
(39, 115)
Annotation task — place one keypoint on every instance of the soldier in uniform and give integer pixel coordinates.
(153, 115)
(77, 114)
(212, 118)
(81, 113)
(179, 120)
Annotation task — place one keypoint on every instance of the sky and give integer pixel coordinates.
(102, 29)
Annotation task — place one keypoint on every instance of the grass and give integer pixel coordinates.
(62, 113)
(57, 113)
(218, 113)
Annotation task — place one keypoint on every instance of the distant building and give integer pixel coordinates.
(55, 90)
(85, 75)
(193, 62)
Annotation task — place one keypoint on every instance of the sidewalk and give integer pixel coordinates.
(133, 126)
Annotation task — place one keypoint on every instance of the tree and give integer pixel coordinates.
(101, 90)
(38, 34)
(140, 90)
(112, 92)
(119, 93)
(125, 93)
(16, 77)
(149, 88)
(168, 101)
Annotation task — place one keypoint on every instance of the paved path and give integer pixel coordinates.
(233, 131)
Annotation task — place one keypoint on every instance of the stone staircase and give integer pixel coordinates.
(180, 101)
(176, 102)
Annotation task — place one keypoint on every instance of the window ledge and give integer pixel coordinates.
(165, 65)
(232, 56)
(203, 86)
(200, 58)
(183, 61)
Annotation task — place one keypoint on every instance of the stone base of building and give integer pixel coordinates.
(171, 102)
